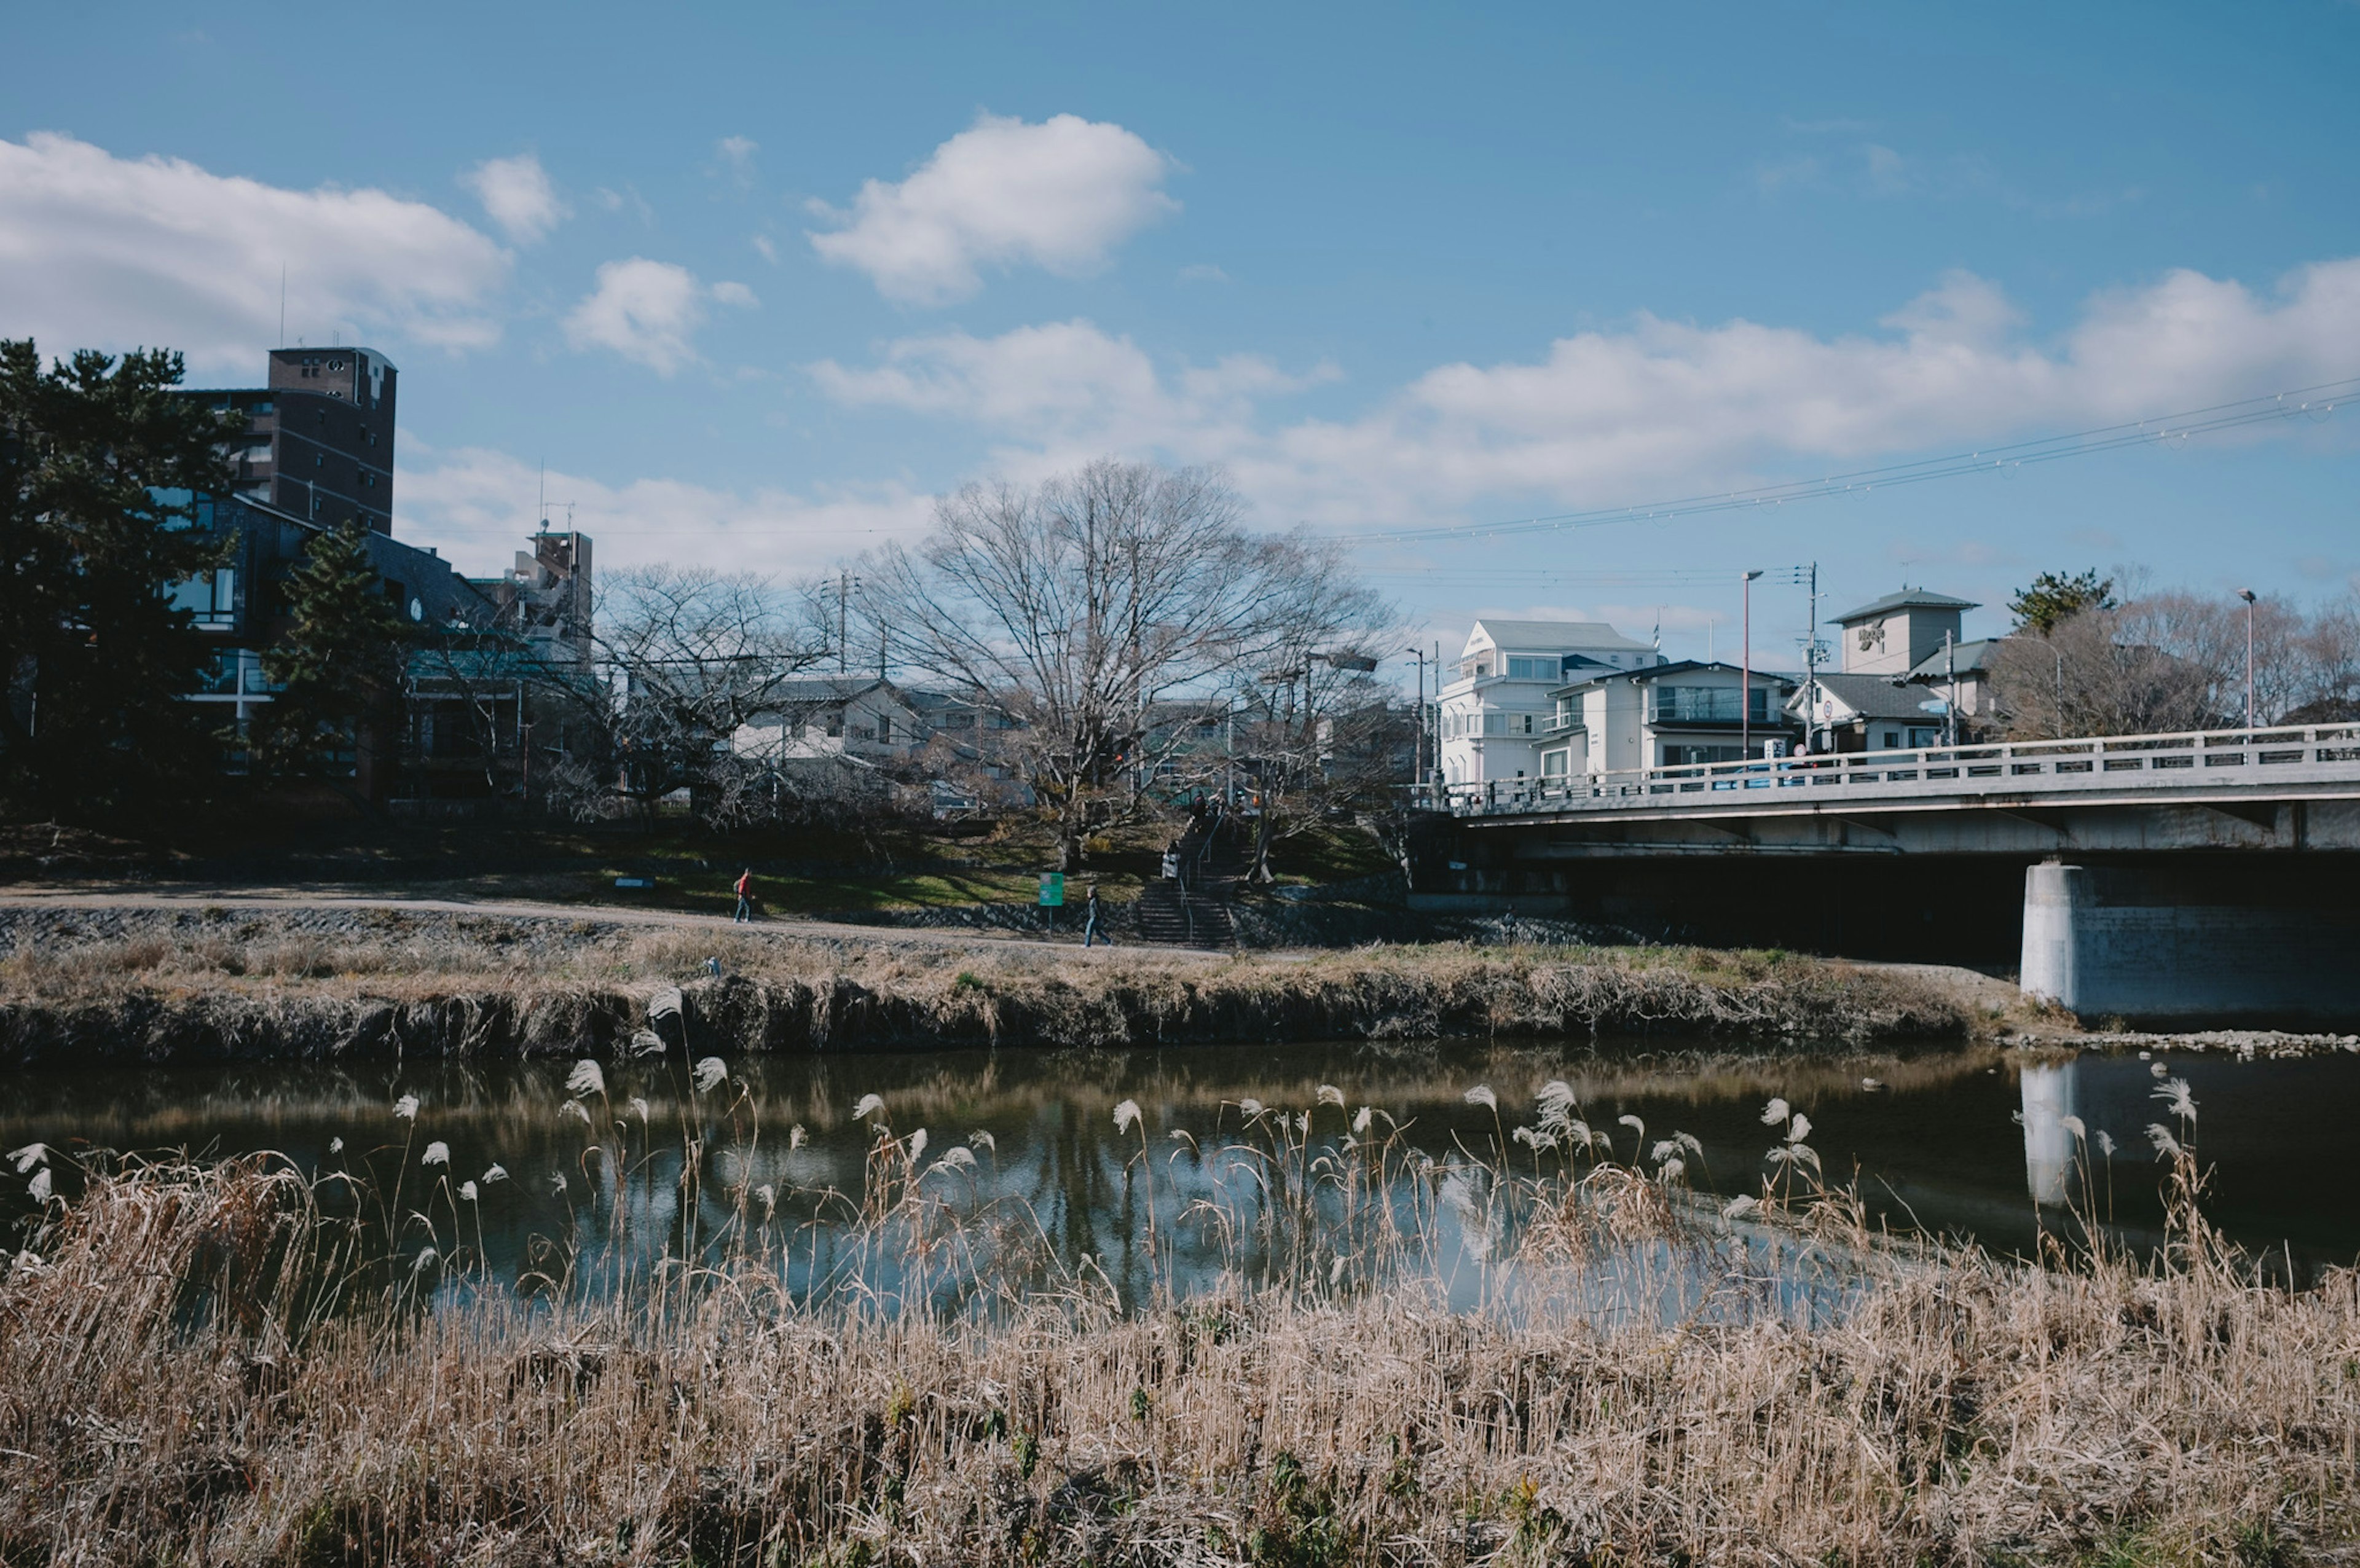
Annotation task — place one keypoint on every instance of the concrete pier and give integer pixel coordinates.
(2184, 944)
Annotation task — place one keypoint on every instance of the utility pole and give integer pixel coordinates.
(843, 597)
(1745, 676)
(2247, 595)
(2061, 689)
(1950, 696)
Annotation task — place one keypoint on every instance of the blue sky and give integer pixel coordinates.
(756, 283)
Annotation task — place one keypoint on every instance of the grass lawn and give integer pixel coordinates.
(796, 872)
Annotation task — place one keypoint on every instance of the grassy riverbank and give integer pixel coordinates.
(204, 1365)
(165, 983)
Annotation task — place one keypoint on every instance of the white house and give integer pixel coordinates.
(1666, 715)
(834, 716)
(1494, 714)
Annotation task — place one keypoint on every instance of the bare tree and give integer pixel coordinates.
(2171, 660)
(688, 657)
(1083, 611)
(1319, 735)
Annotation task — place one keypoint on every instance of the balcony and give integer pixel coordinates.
(1706, 706)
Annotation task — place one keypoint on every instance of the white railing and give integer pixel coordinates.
(2257, 758)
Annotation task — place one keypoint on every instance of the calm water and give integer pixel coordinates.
(1962, 1146)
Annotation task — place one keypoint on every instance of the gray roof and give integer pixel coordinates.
(824, 690)
(1684, 666)
(1907, 599)
(1556, 635)
(1876, 697)
(1964, 659)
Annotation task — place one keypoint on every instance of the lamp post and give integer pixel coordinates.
(1745, 676)
(2247, 595)
(1417, 748)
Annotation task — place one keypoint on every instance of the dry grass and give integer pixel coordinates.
(208, 1365)
(159, 985)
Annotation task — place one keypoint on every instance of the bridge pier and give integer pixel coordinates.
(2248, 942)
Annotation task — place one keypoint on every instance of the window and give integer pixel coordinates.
(211, 598)
(1707, 704)
(1892, 740)
(1534, 668)
(1688, 756)
(885, 727)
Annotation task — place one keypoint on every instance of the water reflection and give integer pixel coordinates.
(1027, 1179)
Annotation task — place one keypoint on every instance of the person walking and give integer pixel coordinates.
(1090, 919)
(745, 897)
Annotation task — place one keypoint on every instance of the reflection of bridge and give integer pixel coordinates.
(2209, 872)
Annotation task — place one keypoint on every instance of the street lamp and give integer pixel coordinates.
(1745, 677)
(2247, 595)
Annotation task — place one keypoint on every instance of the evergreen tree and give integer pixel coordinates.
(103, 472)
(340, 665)
(2053, 596)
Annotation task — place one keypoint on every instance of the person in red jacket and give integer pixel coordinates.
(744, 895)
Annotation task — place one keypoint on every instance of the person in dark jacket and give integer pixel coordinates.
(1090, 919)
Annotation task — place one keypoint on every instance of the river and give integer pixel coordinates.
(1045, 1185)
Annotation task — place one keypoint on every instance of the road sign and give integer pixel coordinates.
(1052, 889)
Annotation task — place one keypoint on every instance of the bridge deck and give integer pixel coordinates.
(2210, 767)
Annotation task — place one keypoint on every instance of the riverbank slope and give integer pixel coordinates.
(180, 980)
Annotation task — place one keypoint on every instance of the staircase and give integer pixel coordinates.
(1194, 911)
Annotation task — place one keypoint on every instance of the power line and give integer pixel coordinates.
(2320, 402)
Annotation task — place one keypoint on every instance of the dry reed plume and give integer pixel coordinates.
(232, 1364)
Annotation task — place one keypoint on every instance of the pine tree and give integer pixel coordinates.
(103, 472)
(339, 667)
(2053, 596)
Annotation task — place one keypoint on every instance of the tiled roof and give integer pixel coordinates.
(1683, 667)
(1876, 697)
(1555, 635)
(1907, 599)
(1965, 658)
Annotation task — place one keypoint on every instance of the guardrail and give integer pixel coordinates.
(2259, 757)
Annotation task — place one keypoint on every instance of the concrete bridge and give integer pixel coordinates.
(2211, 874)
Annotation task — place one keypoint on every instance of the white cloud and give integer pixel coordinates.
(477, 505)
(1203, 272)
(647, 312)
(737, 153)
(1607, 417)
(1059, 195)
(104, 252)
(1068, 387)
(517, 196)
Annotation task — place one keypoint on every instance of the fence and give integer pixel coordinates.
(2092, 765)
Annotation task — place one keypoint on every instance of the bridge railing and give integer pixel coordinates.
(2072, 766)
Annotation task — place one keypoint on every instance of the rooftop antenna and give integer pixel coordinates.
(282, 304)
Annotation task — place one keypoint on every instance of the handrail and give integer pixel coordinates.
(2075, 762)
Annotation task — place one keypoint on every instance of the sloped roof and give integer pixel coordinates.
(1966, 658)
(1876, 697)
(1556, 637)
(823, 690)
(1907, 599)
(1683, 667)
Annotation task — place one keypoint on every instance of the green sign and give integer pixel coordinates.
(1052, 889)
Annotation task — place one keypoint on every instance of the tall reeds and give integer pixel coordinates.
(1541, 1347)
